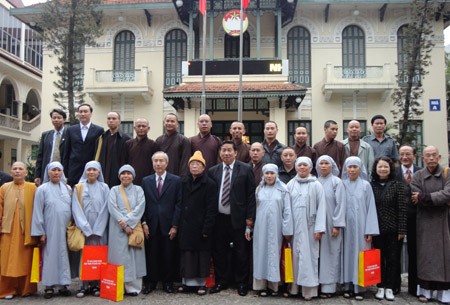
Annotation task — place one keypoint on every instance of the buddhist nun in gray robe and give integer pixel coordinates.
(331, 242)
(273, 221)
(361, 222)
(121, 221)
(91, 214)
(309, 214)
(51, 215)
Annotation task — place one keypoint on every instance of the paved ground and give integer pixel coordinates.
(225, 297)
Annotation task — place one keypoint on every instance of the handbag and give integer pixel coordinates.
(135, 239)
(36, 266)
(287, 273)
(75, 238)
(369, 268)
(91, 262)
(112, 282)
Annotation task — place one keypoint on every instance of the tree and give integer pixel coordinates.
(68, 26)
(418, 43)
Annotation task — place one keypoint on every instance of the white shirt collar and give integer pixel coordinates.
(231, 165)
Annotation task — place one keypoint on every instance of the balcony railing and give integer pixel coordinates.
(112, 82)
(33, 123)
(370, 78)
(9, 121)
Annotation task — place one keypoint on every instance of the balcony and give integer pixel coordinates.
(110, 82)
(367, 79)
(13, 123)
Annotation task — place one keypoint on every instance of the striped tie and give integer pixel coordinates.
(226, 187)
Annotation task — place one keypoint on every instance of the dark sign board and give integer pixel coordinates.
(222, 67)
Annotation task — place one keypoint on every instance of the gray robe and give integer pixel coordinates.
(330, 247)
(51, 215)
(433, 227)
(119, 253)
(93, 218)
(361, 220)
(273, 221)
(309, 214)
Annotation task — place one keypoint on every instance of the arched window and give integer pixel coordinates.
(124, 57)
(232, 46)
(175, 51)
(403, 57)
(353, 52)
(299, 56)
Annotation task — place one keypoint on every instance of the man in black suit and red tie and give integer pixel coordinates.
(237, 210)
(80, 144)
(51, 147)
(160, 223)
(405, 172)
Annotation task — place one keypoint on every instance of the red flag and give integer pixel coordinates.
(202, 6)
(245, 4)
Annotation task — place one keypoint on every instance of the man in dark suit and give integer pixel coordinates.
(48, 152)
(160, 223)
(237, 211)
(80, 144)
(109, 148)
(405, 172)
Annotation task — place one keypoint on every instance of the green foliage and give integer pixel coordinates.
(31, 166)
(68, 26)
(419, 43)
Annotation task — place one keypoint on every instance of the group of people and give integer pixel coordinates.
(205, 202)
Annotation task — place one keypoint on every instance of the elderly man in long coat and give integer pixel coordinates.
(431, 194)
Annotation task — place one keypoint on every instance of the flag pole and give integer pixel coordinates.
(241, 51)
(203, 98)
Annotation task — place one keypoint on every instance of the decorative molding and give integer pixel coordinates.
(168, 26)
(220, 33)
(306, 23)
(359, 21)
(396, 25)
(122, 26)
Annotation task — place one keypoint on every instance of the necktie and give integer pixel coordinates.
(408, 176)
(226, 187)
(160, 185)
(56, 155)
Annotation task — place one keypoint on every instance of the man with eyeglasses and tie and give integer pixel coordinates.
(51, 146)
(405, 173)
(237, 210)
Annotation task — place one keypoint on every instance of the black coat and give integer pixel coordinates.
(198, 213)
(45, 151)
(242, 192)
(79, 152)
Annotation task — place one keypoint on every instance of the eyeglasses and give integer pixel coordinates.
(406, 154)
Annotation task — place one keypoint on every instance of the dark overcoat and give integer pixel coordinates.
(198, 213)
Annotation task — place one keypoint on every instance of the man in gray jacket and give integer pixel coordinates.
(354, 146)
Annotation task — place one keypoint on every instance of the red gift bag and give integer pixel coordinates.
(211, 279)
(92, 258)
(111, 282)
(369, 268)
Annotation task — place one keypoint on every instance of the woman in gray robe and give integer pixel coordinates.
(51, 215)
(121, 224)
(331, 242)
(91, 214)
(361, 223)
(309, 215)
(273, 221)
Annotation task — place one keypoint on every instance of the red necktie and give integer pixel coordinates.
(408, 176)
(160, 185)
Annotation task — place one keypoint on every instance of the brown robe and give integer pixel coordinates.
(178, 148)
(433, 229)
(334, 149)
(209, 146)
(138, 153)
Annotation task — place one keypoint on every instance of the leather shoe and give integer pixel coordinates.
(242, 290)
(132, 294)
(148, 287)
(168, 288)
(218, 288)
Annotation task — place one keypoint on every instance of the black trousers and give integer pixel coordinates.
(230, 252)
(161, 258)
(390, 248)
(412, 254)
